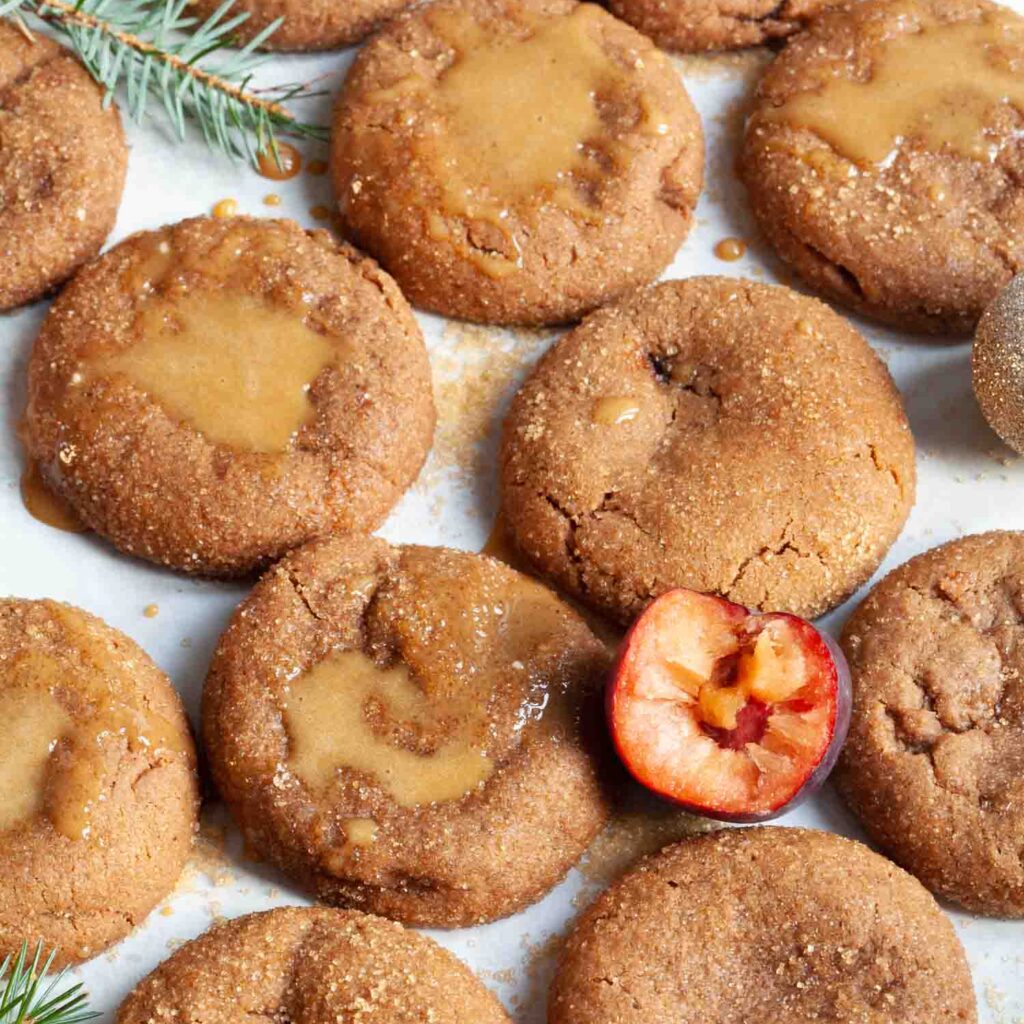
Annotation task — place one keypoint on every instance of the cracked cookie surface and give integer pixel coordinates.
(922, 236)
(711, 433)
(934, 764)
(692, 26)
(98, 791)
(312, 965)
(211, 394)
(434, 179)
(764, 926)
(62, 165)
(409, 731)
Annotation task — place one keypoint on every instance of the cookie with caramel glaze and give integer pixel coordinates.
(98, 791)
(213, 393)
(904, 204)
(410, 731)
(516, 161)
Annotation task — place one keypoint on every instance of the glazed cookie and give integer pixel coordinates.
(62, 165)
(404, 730)
(98, 794)
(710, 433)
(934, 766)
(692, 26)
(214, 393)
(905, 204)
(308, 24)
(317, 966)
(763, 925)
(434, 179)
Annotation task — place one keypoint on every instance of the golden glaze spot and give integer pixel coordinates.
(615, 409)
(64, 724)
(361, 831)
(232, 367)
(43, 504)
(329, 724)
(554, 87)
(34, 723)
(225, 208)
(940, 85)
(280, 167)
(731, 249)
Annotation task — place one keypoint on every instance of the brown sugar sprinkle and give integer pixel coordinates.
(731, 249)
(632, 834)
(317, 167)
(151, 611)
(272, 199)
(280, 167)
(320, 212)
(225, 208)
(475, 373)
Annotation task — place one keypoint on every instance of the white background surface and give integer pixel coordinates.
(967, 482)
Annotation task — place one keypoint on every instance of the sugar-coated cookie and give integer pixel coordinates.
(710, 433)
(516, 161)
(411, 731)
(213, 393)
(934, 763)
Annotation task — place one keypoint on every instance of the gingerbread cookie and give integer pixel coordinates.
(409, 730)
(317, 966)
(902, 203)
(516, 161)
(692, 26)
(710, 433)
(98, 793)
(934, 764)
(763, 925)
(308, 24)
(62, 165)
(997, 364)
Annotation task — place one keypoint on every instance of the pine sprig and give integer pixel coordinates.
(162, 57)
(25, 999)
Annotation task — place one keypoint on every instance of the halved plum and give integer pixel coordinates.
(733, 714)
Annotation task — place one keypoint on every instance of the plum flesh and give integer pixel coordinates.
(732, 714)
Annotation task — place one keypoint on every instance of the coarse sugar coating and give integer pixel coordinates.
(711, 433)
(62, 165)
(904, 204)
(314, 965)
(764, 926)
(409, 730)
(434, 178)
(693, 26)
(213, 393)
(934, 764)
(98, 791)
(308, 24)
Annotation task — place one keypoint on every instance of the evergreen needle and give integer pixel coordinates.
(25, 997)
(165, 58)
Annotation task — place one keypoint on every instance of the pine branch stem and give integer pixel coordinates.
(60, 12)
